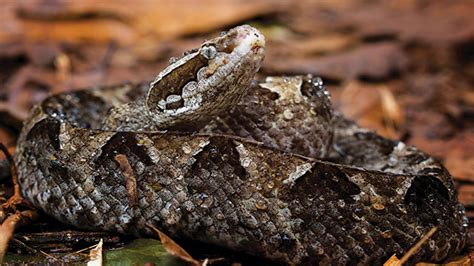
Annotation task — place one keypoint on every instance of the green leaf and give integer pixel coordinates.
(141, 251)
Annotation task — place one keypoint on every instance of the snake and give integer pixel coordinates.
(206, 152)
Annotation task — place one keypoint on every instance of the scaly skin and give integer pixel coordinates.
(249, 180)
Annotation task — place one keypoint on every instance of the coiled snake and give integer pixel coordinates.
(205, 153)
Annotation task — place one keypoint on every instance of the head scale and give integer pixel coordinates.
(204, 83)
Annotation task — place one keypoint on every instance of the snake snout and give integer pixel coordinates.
(249, 40)
(242, 40)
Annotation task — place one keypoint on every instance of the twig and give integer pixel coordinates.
(84, 249)
(22, 245)
(48, 255)
(417, 246)
(32, 250)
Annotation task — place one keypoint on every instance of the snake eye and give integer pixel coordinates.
(209, 52)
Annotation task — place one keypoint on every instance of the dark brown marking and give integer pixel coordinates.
(47, 132)
(124, 143)
(81, 109)
(218, 152)
(320, 180)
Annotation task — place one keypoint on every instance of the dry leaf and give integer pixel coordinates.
(436, 23)
(174, 249)
(458, 151)
(126, 24)
(466, 194)
(95, 255)
(374, 61)
(372, 106)
(310, 46)
(6, 232)
(392, 261)
(392, 113)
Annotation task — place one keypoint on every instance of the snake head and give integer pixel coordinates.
(207, 81)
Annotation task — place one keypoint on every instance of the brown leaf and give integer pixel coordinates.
(374, 61)
(78, 31)
(10, 29)
(466, 195)
(460, 162)
(6, 231)
(372, 106)
(410, 24)
(126, 24)
(458, 153)
(436, 23)
(312, 45)
(392, 261)
(174, 249)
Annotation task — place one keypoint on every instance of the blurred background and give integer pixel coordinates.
(404, 68)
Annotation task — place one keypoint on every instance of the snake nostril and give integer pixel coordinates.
(229, 48)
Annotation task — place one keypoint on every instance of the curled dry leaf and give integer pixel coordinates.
(371, 106)
(95, 255)
(393, 115)
(174, 249)
(6, 232)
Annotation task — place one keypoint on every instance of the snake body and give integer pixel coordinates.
(263, 168)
